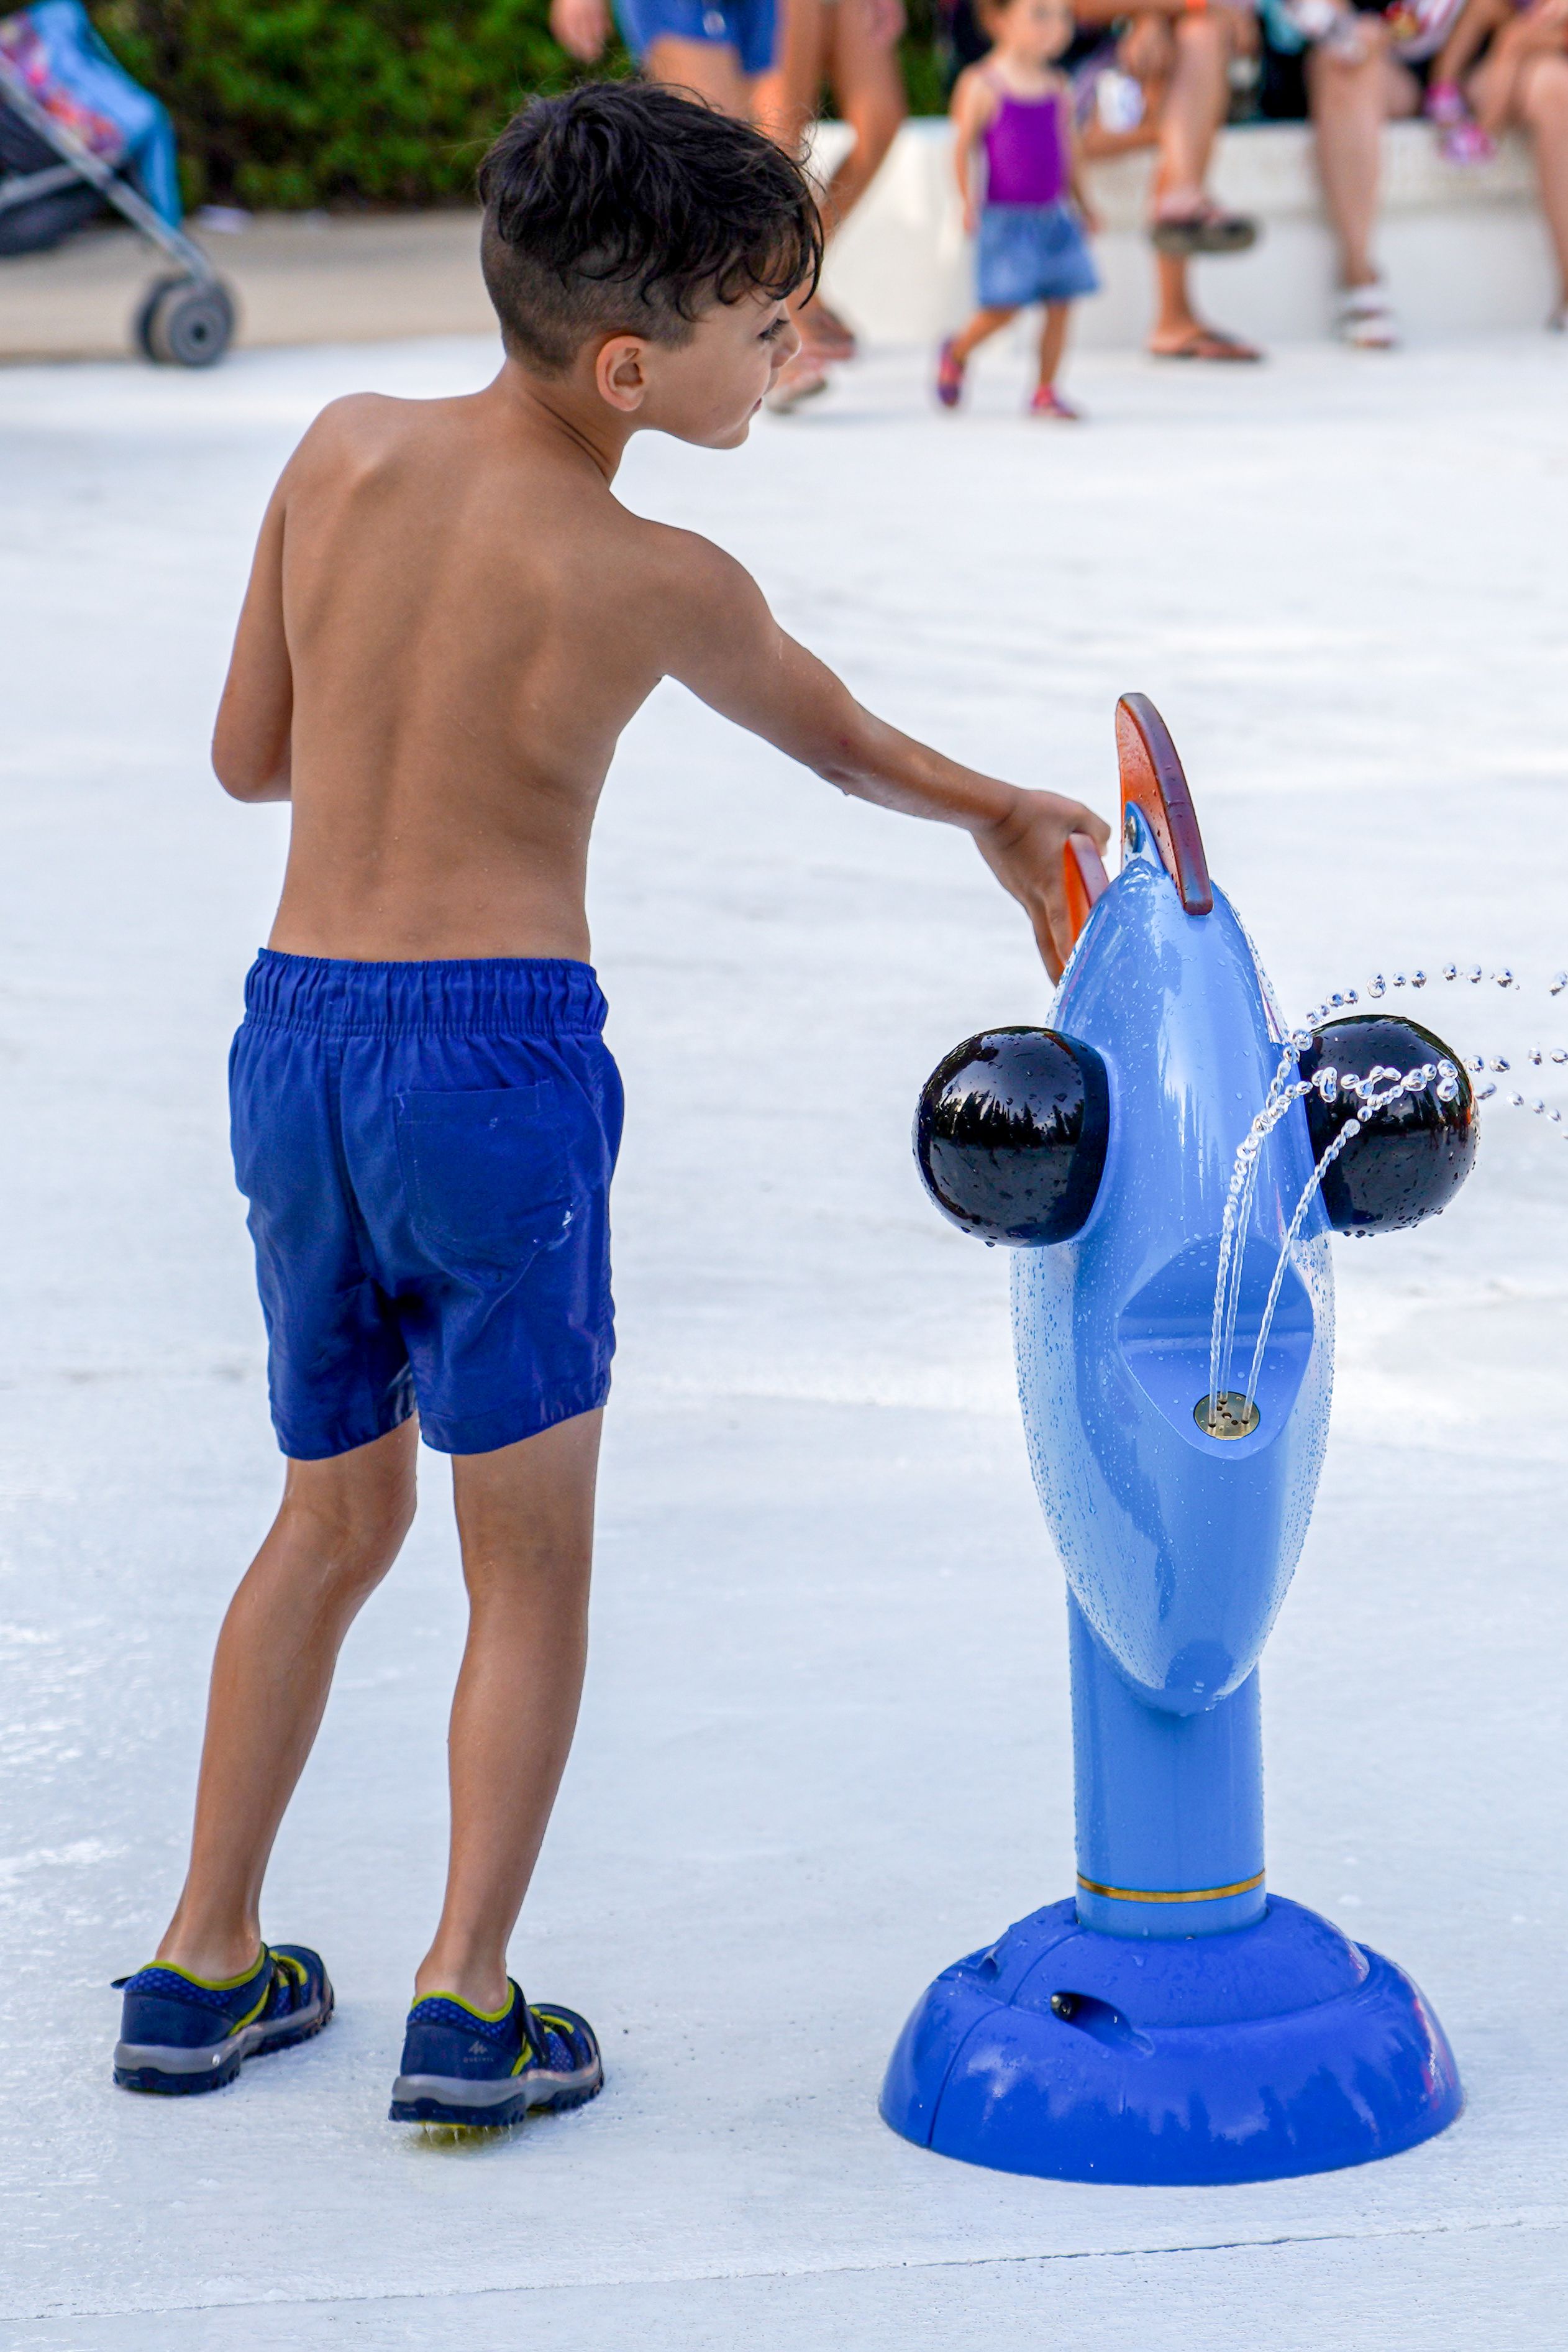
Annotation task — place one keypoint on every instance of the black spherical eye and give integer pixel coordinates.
(1011, 1134)
(1412, 1156)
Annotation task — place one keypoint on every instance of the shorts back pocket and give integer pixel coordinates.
(487, 1175)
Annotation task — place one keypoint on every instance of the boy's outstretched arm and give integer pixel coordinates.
(250, 739)
(729, 650)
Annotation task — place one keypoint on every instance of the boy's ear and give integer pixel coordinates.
(620, 373)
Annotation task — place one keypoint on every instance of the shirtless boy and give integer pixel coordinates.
(449, 622)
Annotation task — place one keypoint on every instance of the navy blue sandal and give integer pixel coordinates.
(489, 2068)
(181, 2032)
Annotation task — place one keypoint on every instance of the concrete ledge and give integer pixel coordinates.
(1463, 250)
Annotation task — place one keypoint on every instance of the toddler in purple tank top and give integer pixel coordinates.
(1017, 165)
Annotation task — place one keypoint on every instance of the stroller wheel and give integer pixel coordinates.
(185, 321)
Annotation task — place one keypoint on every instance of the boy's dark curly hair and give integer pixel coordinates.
(625, 206)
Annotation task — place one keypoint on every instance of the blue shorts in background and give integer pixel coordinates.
(1033, 253)
(747, 27)
(427, 1150)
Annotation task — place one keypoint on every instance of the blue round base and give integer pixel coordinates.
(1278, 2048)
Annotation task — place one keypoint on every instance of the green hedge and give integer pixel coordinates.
(309, 102)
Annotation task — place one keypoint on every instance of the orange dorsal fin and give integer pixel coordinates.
(1152, 777)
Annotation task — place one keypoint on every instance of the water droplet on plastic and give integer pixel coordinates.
(1418, 980)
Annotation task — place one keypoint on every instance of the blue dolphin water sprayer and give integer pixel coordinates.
(1168, 1160)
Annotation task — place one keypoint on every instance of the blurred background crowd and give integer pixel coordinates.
(293, 105)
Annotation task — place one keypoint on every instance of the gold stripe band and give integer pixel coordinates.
(1199, 1894)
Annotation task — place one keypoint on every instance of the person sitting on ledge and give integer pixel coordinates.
(1180, 56)
(451, 618)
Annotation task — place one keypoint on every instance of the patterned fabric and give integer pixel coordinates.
(80, 85)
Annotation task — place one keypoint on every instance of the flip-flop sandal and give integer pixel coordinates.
(1213, 230)
(1209, 343)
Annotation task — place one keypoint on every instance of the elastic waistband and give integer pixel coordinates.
(511, 996)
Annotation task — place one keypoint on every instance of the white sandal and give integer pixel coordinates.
(1366, 321)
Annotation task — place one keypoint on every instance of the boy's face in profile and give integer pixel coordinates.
(707, 389)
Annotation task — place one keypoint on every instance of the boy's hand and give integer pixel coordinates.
(1024, 851)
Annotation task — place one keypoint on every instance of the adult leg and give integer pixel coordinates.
(868, 88)
(1350, 99)
(1191, 110)
(1195, 106)
(1542, 106)
(525, 1516)
(785, 99)
(711, 68)
(1178, 332)
(337, 1531)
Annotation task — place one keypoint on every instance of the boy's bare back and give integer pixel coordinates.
(447, 629)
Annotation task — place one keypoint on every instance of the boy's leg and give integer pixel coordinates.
(525, 1516)
(1052, 340)
(337, 1531)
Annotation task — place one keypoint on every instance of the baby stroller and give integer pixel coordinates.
(77, 132)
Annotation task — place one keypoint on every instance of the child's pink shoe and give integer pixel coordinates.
(1046, 401)
(1467, 144)
(1444, 105)
(949, 376)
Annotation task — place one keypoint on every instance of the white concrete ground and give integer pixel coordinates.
(825, 1745)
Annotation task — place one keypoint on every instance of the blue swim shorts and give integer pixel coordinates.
(1033, 253)
(747, 27)
(427, 1150)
